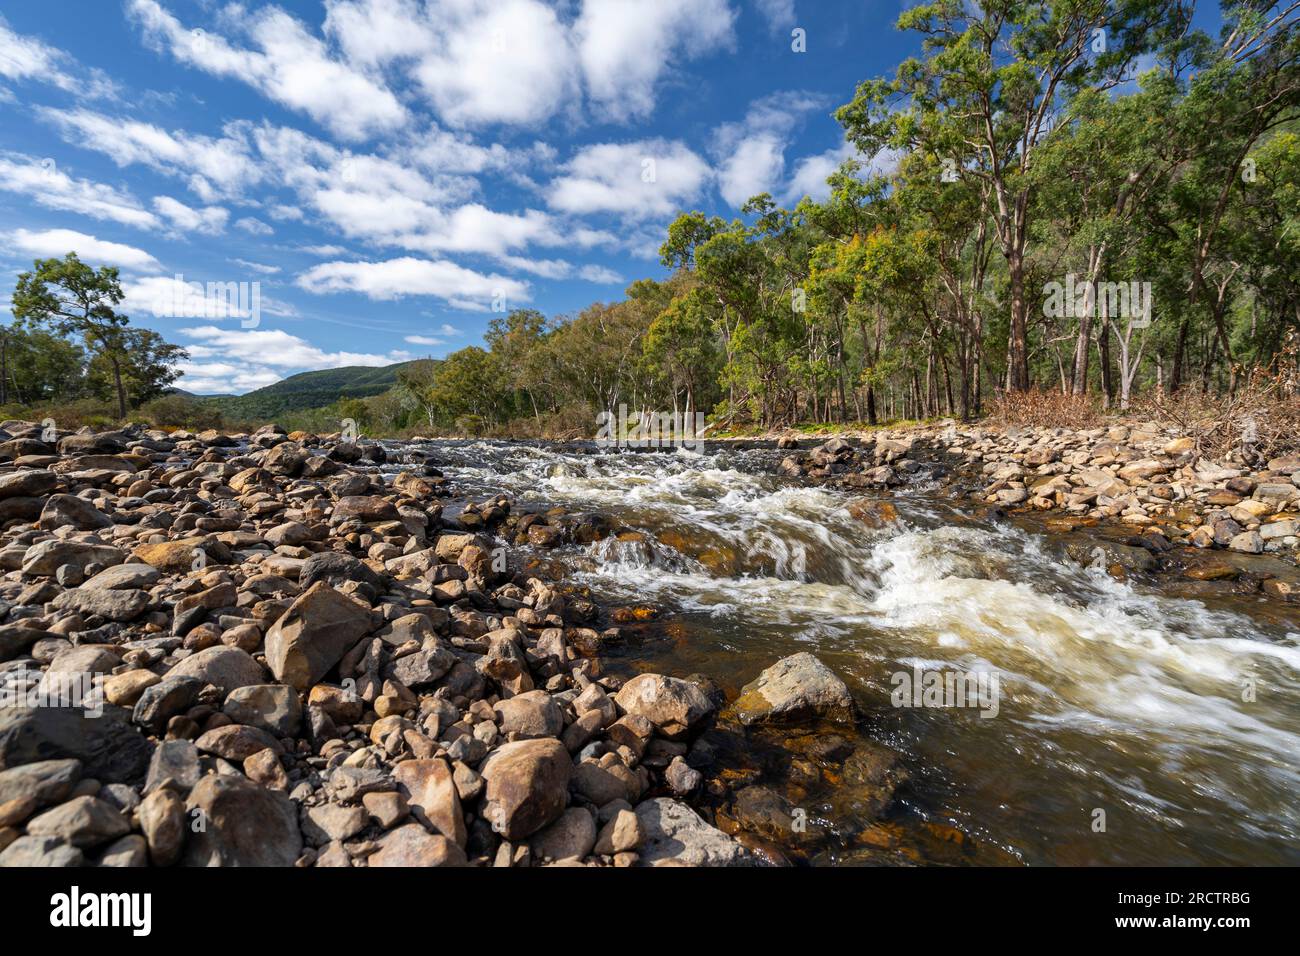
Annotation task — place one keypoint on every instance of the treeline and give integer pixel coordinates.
(1085, 196)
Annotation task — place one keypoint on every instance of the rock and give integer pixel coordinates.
(681, 778)
(163, 701)
(129, 851)
(28, 851)
(386, 809)
(125, 605)
(245, 825)
(45, 558)
(313, 635)
(796, 688)
(413, 846)
(124, 577)
(674, 706)
(81, 822)
(328, 822)
(236, 742)
(570, 837)
(1248, 542)
(108, 746)
(531, 714)
(69, 511)
(674, 832)
(622, 834)
(28, 483)
(45, 781)
(601, 781)
(162, 820)
(368, 508)
(265, 768)
(125, 689)
(270, 707)
(430, 792)
(527, 786)
(172, 557)
(335, 569)
(175, 765)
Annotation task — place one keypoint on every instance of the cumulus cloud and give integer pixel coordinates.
(626, 48)
(253, 226)
(44, 183)
(286, 63)
(408, 276)
(212, 166)
(751, 153)
(636, 180)
(186, 219)
(56, 243)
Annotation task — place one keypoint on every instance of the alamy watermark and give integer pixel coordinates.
(213, 300)
(32, 688)
(651, 429)
(1080, 300)
(977, 690)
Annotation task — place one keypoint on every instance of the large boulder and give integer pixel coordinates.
(673, 705)
(272, 707)
(122, 605)
(245, 825)
(412, 846)
(109, 747)
(313, 635)
(365, 508)
(799, 687)
(47, 557)
(674, 833)
(527, 786)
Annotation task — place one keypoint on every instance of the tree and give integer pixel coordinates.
(38, 367)
(76, 300)
(143, 367)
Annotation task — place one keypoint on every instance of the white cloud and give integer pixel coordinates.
(28, 58)
(41, 181)
(289, 65)
(212, 166)
(600, 275)
(429, 340)
(405, 276)
(811, 172)
(325, 251)
(496, 61)
(751, 153)
(625, 48)
(56, 243)
(209, 219)
(778, 13)
(254, 226)
(257, 266)
(636, 180)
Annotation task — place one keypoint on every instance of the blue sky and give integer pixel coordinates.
(391, 170)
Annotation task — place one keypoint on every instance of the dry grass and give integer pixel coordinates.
(1259, 421)
(1044, 408)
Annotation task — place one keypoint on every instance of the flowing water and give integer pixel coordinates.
(1176, 716)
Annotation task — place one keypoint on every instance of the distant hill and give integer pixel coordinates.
(308, 390)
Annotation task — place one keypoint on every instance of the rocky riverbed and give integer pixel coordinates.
(280, 658)
(1175, 508)
(300, 650)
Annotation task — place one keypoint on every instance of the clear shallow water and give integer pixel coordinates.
(1118, 697)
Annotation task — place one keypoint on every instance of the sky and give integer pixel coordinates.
(371, 181)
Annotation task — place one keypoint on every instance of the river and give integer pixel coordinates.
(1135, 724)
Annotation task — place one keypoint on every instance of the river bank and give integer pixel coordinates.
(514, 653)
